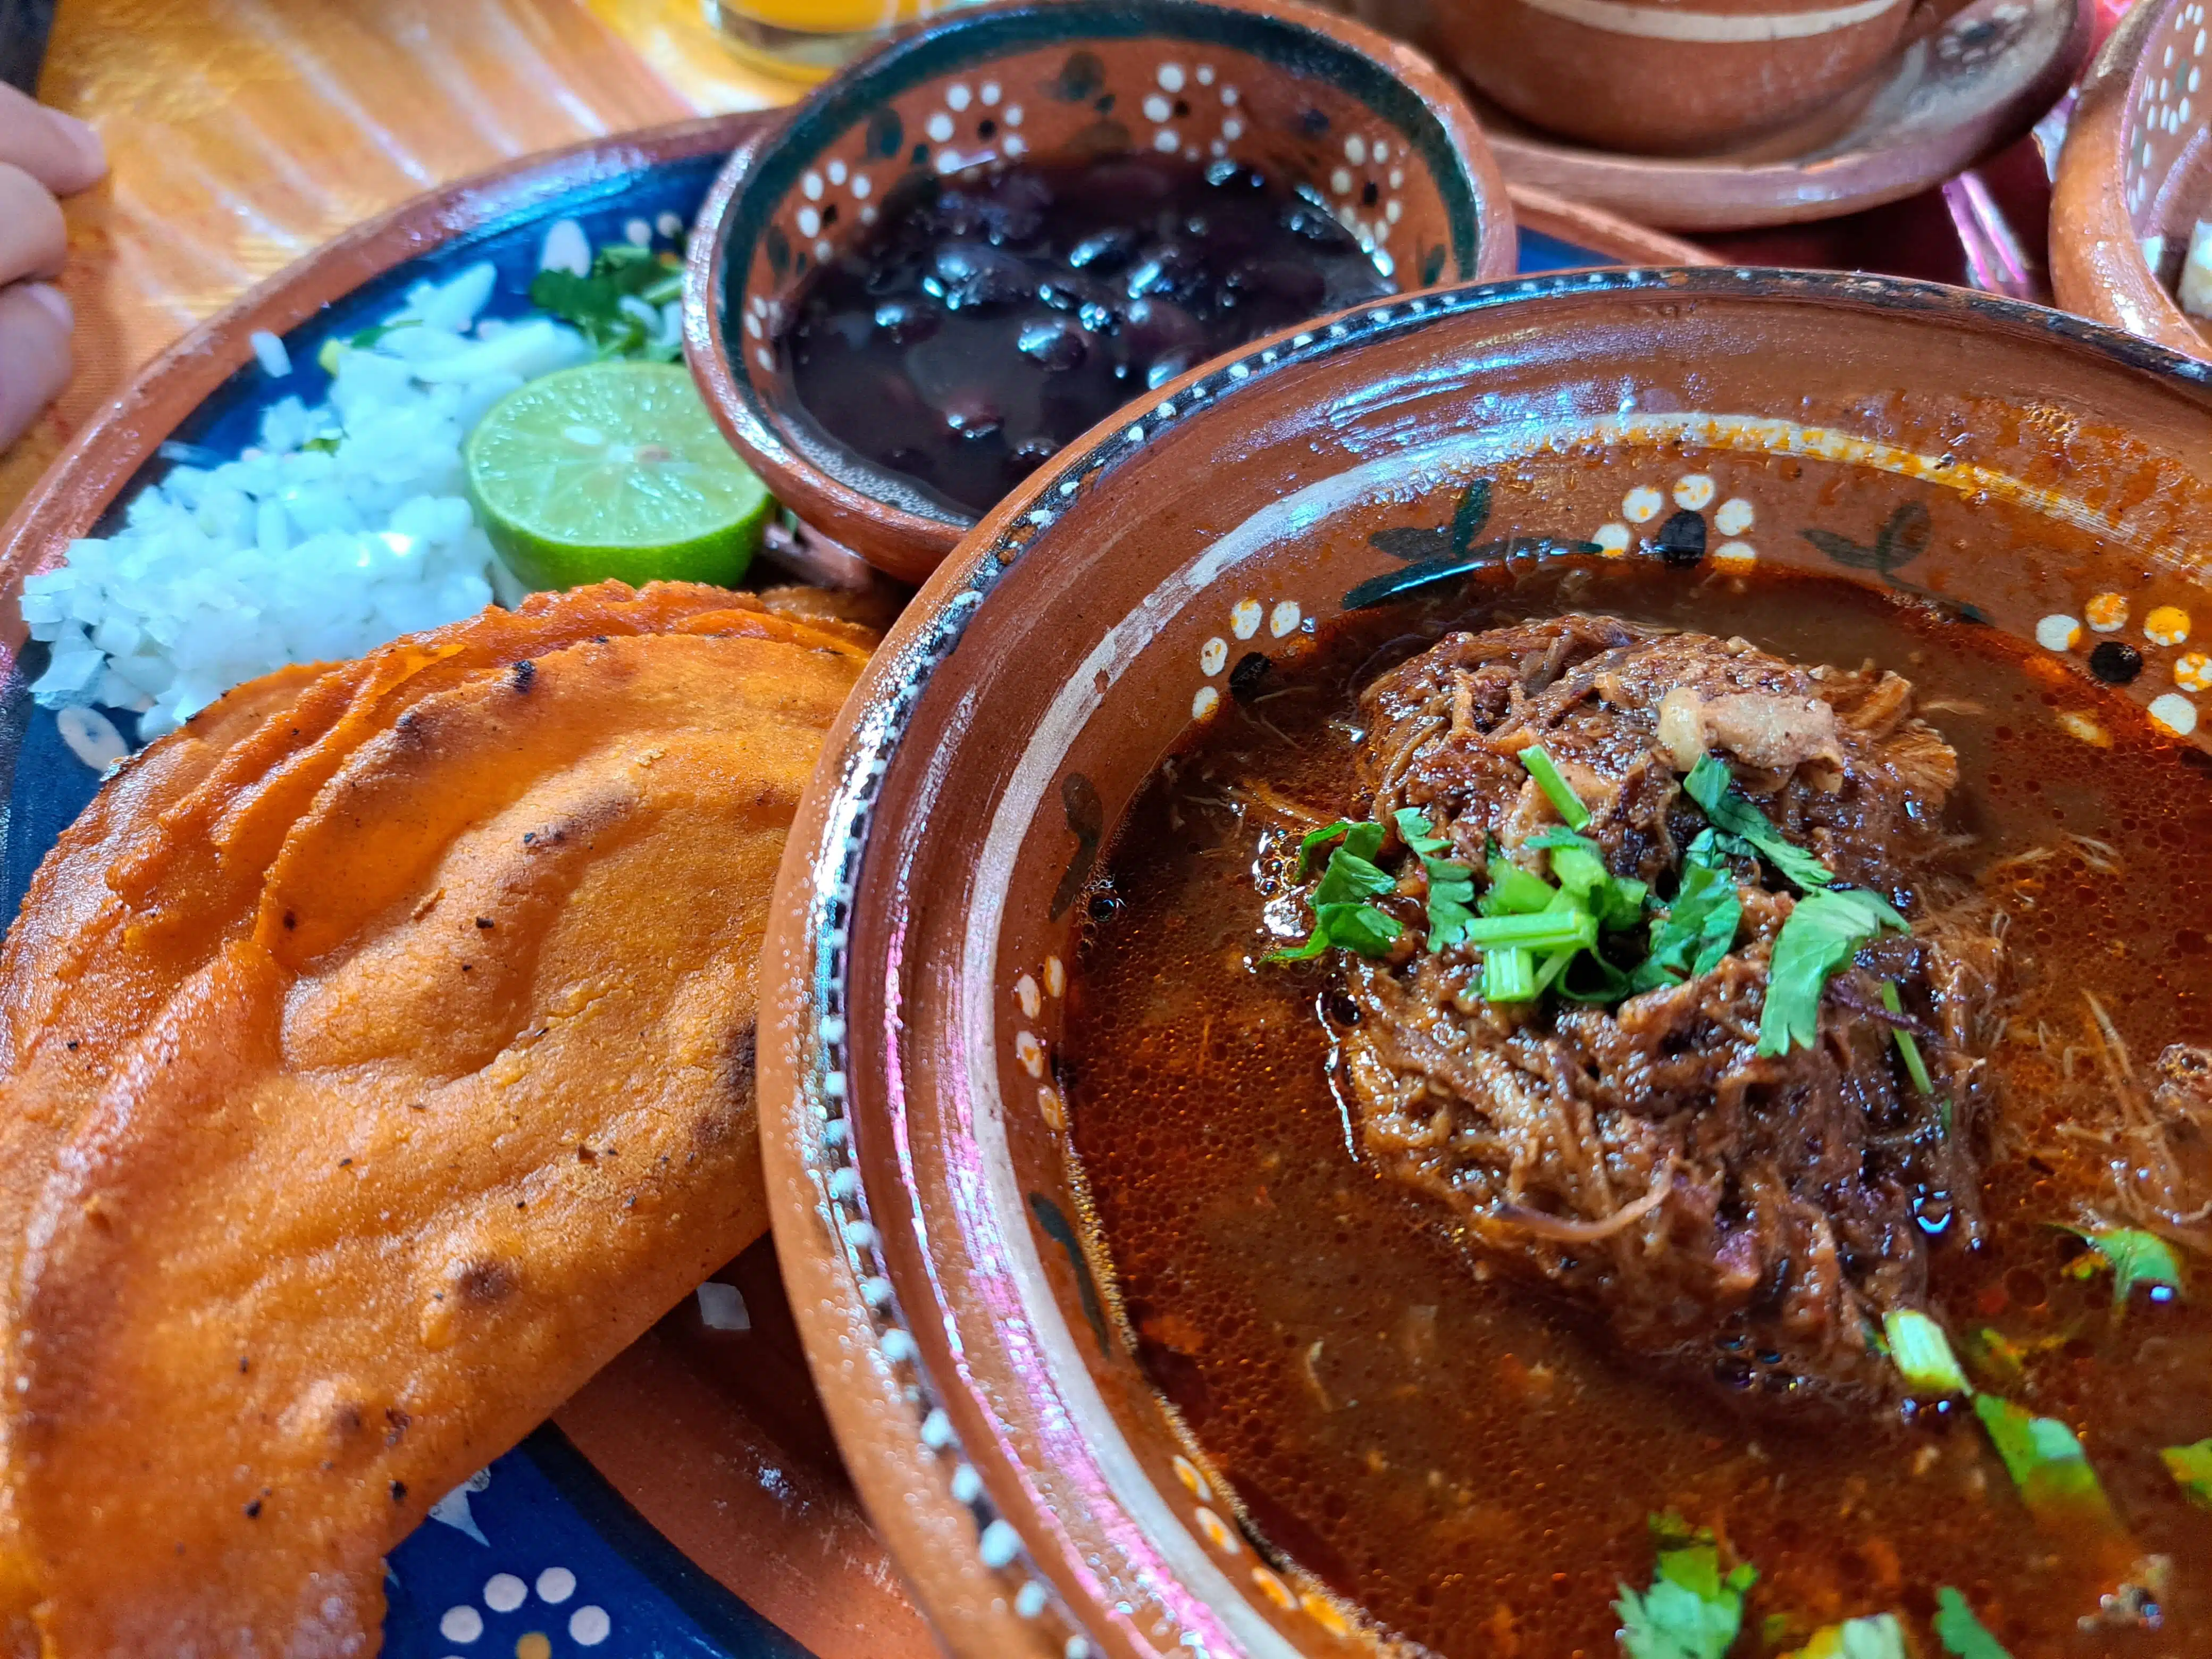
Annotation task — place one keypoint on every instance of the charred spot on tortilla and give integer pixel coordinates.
(485, 1283)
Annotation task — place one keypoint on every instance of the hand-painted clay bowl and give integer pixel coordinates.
(2136, 176)
(1021, 1469)
(1307, 96)
(1660, 77)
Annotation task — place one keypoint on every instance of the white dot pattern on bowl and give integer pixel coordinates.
(851, 810)
(2159, 127)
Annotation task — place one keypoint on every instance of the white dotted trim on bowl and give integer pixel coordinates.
(826, 1087)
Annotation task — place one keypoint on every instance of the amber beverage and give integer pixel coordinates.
(807, 39)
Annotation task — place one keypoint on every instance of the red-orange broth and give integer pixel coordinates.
(1466, 1460)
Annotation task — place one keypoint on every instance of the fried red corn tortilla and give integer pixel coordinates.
(169, 862)
(461, 1111)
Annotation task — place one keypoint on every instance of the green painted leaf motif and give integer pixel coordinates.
(1962, 1634)
(1840, 549)
(2191, 1469)
(1902, 539)
(1442, 568)
(1448, 542)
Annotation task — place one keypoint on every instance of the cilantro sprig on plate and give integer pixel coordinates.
(594, 304)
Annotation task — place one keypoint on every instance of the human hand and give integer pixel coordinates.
(43, 154)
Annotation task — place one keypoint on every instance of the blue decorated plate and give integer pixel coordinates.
(541, 1553)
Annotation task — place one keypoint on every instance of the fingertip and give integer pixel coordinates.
(83, 144)
(55, 303)
(34, 354)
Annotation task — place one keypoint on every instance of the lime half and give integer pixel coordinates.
(614, 470)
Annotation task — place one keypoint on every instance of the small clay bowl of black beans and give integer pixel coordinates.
(1005, 227)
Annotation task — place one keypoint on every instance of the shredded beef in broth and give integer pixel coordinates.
(1457, 1294)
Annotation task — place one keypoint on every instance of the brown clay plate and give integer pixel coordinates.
(1969, 89)
(2137, 175)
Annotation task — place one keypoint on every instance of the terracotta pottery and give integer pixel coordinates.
(1622, 241)
(1666, 79)
(2136, 176)
(1304, 95)
(1978, 82)
(966, 1338)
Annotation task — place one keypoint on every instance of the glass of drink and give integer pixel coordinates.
(807, 39)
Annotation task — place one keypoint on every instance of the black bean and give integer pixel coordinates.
(975, 275)
(972, 414)
(1056, 345)
(1153, 328)
(906, 321)
(1106, 252)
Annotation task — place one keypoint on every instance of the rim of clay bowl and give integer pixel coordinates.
(762, 171)
(887, 1372)
(2097, 263)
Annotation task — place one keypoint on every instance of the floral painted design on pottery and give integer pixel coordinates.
(1306, 97)
(2117, 660)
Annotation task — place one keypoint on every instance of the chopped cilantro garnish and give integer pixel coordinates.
(1313, 839)
(1451, 884)
(1878, 1637)
(1514, 892)
(1691, 1611)
(1696, 932)
(2191, 1469)
(1959, 1631)
(1817, 938)
(1712, 785)
(2046, 1463)
(593, 305)
(2135, 1258)
(1509, 973)
(1342, 915)
(1907, 1046)
(1713, 849)
(1922, 1353)
(1557, 790)
(1547, 929)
